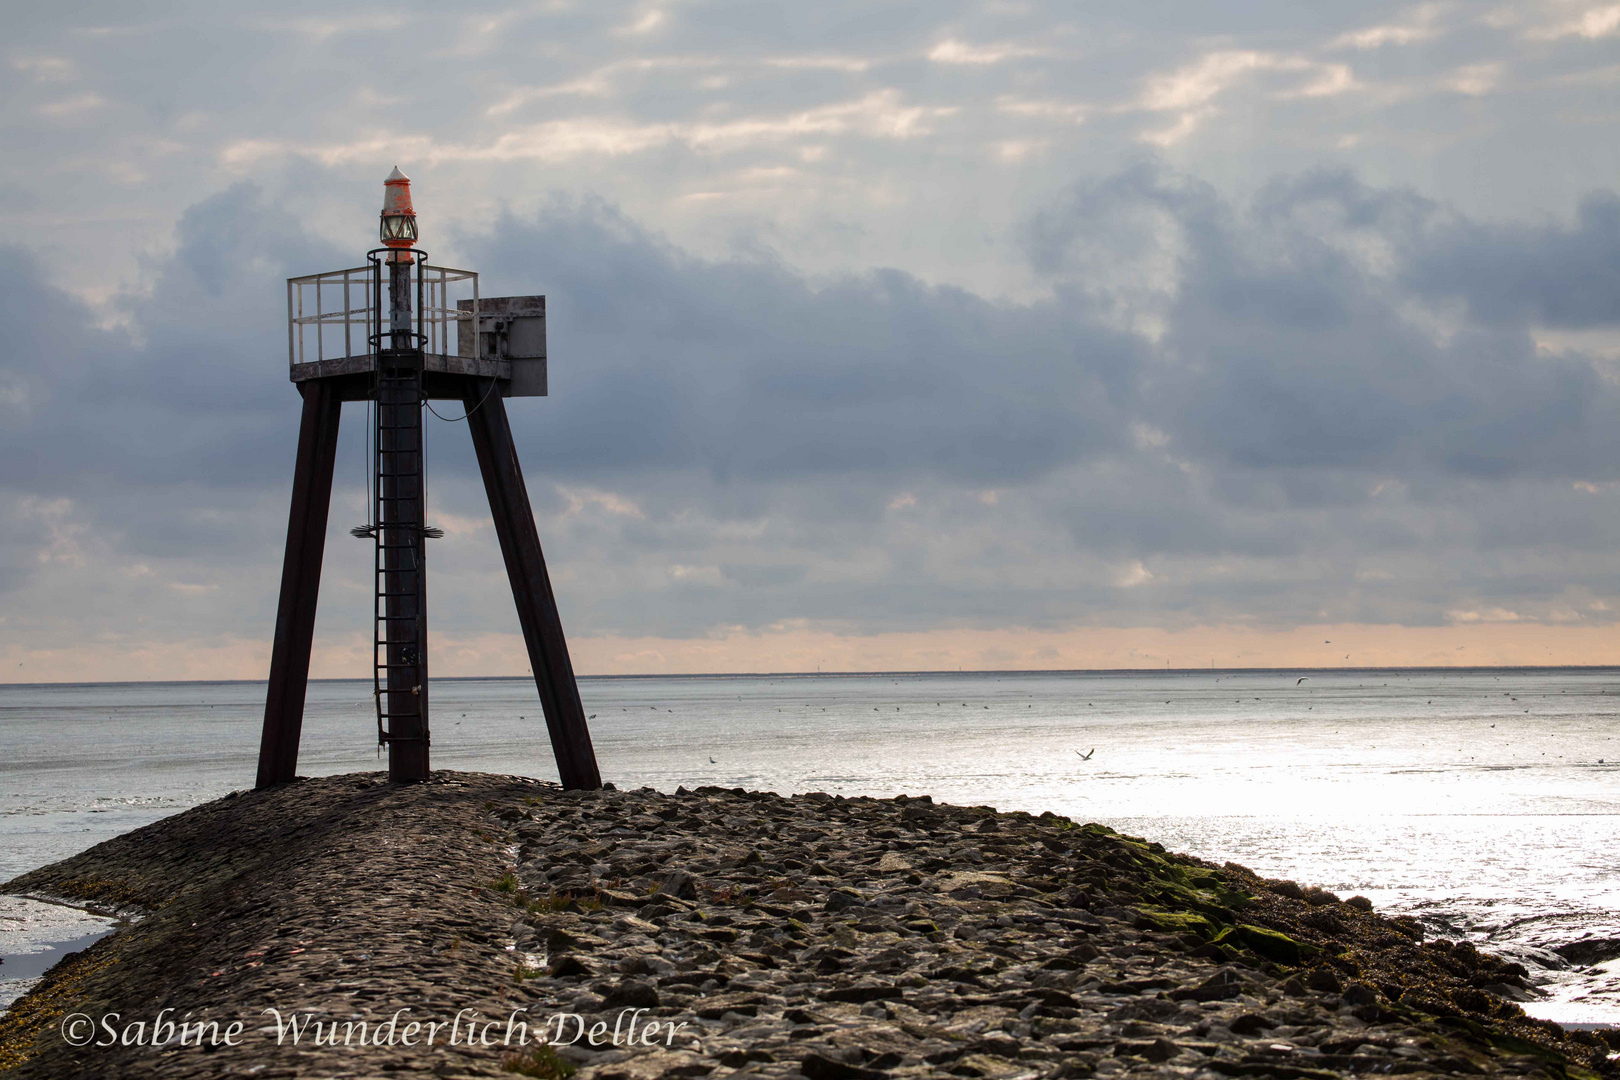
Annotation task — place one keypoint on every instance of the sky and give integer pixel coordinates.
(883, 336)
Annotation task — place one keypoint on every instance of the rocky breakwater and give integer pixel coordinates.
(718, 933)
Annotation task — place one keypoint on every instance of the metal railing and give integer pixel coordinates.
(328, 307)
(437, 310)
(334, 315)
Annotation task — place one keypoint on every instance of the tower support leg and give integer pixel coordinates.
(531, 589)
(300, 584)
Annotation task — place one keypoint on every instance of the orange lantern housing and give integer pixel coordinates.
(398, 229)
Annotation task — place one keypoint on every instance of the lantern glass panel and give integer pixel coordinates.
(398, 227)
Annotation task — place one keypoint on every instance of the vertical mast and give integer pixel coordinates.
(401, 609)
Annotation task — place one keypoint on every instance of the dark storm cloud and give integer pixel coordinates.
(1292, 340)
(189, 390)
(747, 370)
(1554, 274)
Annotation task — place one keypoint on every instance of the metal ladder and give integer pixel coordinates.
(399, 678)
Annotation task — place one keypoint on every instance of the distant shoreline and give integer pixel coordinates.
(1029, 672)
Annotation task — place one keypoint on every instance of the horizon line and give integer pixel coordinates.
(526, 677)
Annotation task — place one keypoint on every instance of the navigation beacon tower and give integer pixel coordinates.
(397, 333)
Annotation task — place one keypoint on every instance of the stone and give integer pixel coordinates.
(860, 994)
(679, 885)
(1157, 1051)
(630, 994)
(815, 936)
(843, 900)
(1286, 888)
(1360, 994)
(1220, 986)
(819, 1067)
(1325, 980)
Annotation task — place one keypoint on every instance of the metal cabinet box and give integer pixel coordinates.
(514, 330)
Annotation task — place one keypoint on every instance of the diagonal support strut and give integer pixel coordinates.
(300, 583)
(531, 589)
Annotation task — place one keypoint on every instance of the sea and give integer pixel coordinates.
(1485, 802)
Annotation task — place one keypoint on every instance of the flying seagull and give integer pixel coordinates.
(1087, 755)
(1302, 678)
(711, 761)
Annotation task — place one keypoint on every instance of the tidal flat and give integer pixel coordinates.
(484, 925)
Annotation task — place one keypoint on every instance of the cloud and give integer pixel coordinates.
(1421, 25)
(744, 370)
(880, 115)
(1192, 90)
(46, 68)
(1594, 22)
(952, 51)
(321, 28)
(1553, 275)
(1474, 80)
(899, 159)
(1333, 410)
(73, 106)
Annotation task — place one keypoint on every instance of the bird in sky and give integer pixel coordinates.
(1301, 679)
(1087, 755)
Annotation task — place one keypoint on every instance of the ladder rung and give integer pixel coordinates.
(399, 470)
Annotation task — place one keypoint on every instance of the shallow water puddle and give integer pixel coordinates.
(35, 935)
